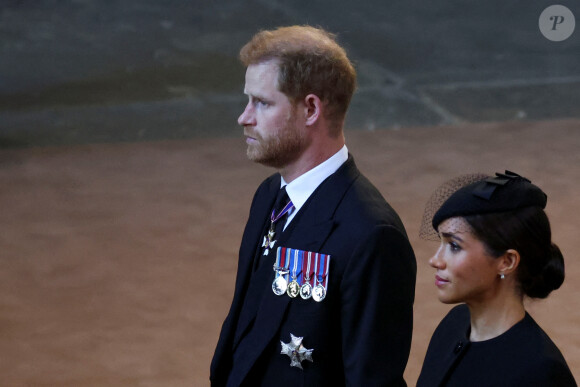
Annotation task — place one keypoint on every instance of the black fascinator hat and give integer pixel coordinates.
(479, 194)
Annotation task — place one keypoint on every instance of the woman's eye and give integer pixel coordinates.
(454, 246)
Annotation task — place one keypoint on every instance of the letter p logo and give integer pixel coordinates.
(557, 20)
(557, 23)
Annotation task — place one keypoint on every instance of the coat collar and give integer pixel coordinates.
(447, 347)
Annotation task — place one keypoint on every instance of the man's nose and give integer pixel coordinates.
(247, 117)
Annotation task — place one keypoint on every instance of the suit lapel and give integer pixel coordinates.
(257, 222)
(251, 248)
(316, 221)
(309, 230)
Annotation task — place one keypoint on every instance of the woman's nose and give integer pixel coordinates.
(436, 260)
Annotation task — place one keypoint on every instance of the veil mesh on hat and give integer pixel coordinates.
(439, 197)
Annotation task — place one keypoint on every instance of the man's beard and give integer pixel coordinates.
(279, 150)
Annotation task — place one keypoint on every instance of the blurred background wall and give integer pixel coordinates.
(86, 71)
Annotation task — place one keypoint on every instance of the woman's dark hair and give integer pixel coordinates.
(526, 230)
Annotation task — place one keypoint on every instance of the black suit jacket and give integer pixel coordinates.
(522, 356)
(361, 331)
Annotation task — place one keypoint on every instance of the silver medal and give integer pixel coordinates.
(319, 293)
(306, 291)
(306, 288)
(279, 286)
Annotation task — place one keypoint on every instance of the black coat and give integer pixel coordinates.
(522, 356)
(361, 331)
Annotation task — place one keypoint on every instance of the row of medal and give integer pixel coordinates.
(299, 272)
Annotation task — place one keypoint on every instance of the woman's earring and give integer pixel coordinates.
(502, 276)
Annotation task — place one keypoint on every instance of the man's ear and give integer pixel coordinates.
(312, 109)
(508, 262)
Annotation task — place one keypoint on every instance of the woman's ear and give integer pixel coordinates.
(508, 262)
(312, 109)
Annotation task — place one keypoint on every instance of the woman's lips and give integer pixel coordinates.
(440, 281)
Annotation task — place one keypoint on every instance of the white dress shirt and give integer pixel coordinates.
(300, 189)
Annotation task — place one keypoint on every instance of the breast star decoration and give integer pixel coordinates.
(296, 351)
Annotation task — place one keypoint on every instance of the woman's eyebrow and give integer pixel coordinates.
(451, 235)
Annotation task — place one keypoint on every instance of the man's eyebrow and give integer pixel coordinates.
(254, 95)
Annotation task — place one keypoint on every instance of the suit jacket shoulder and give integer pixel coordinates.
(524, 355)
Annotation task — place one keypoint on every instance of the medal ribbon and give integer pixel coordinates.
(279, 255)
(306, 275)
(287, 256)
(297, 265)
(326, 272)
(316, 260)
(282, 261)
(322, 269)
(283, 212)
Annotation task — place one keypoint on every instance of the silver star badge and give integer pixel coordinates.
(296, 351)
(269, 241)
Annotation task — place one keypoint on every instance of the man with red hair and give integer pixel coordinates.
(326, 275)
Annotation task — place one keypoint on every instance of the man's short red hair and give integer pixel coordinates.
(310, 62)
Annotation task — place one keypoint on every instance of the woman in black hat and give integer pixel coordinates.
(495, 249)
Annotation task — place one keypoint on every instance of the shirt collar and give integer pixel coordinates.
(300, 189)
